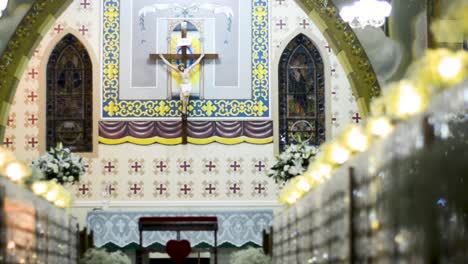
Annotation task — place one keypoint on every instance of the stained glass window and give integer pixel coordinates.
(69, 96)
(301, 94)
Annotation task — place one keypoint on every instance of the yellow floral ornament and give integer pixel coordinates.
(163, 108)
(260, 108)
(261, 72)
(111, 108)
(209, 108)
(111, 71)
(260, 12)
(111, 13)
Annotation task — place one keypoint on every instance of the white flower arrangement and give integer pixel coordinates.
(250, 256)
(60, 164)
(99, 256)
(293, 161)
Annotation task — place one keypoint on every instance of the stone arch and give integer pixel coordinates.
(348, 49)
(20, 49)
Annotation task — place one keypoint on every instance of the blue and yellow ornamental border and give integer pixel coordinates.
(255, 107)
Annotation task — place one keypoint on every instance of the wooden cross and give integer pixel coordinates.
(184, 57)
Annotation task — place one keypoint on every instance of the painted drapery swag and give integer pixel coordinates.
(69, 96)
(301, 94)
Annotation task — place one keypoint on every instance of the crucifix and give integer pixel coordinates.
(183, 71)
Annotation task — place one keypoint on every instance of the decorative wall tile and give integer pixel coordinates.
(280, 24)
(135, 189)
(355, 117)
(234, 189)
(280, 3)
(136, 166)
(88, 166)
(335, 119)
(161, 189)
(185, 166)
(84, 189)
(161, 166)
(185, 189)
(234, 166)
(259, 188)
(109, 166)
(31, 142)
(303, 22)
(110, 188)
(84, 5)
(10, 142)
(31, 119)
(210, 166)
(210, 188)
(30, 96)
(11, 121)
(259, 166)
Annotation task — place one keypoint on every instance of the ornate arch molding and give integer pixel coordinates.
(349, 50)
(20, 48)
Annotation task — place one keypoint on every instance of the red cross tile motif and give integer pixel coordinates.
(161, 189)
(185, 189)
(280, 2)
(83, 30)
(58, 28)
(334, 120)
(210, 166)
(304, 23)
(110, 189)
(31, 142)
(31, 120)
(234, 188)
(88, 166)
(235, 166)
(280, 24)
(11, 122)
(136, 167)
(260, 188)
(334, 93)
(160, 166)
(84, 190)
(260, 166)
(33, 73)
(85, 4)
(356, 118)
(109, 166)
(9, 142)
(135, 189)
(210, 189)
(185, 166)
(31, 97)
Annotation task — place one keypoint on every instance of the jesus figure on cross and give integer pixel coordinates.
(186, 80)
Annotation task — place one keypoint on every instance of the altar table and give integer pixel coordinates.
(181, 223)
(236, 228)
